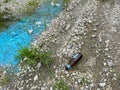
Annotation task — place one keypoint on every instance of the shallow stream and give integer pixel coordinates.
(23, 32)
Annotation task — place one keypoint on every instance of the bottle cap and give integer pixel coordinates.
(67, 67)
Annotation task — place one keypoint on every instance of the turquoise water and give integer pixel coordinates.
(17, 34)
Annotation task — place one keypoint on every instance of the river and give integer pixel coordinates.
(22, 33)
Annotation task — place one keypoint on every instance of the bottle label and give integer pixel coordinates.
(75, 56)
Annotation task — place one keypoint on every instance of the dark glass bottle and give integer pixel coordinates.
(74, 60)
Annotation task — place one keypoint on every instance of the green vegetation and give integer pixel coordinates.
(107, 1)
(65, 3)
(32, 6)
(84, 81)
(32, 56)
(54, 1)
(33, 3)
(6, 1)
(4, 80)
(1, 25)
(60, 85)
(4, 17)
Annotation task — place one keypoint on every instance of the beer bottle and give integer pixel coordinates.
(74, 60)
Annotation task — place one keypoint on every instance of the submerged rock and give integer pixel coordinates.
(30, 31)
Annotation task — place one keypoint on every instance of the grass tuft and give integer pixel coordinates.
(32, 3)
(32, 56)
(60, 85)
(4, 80)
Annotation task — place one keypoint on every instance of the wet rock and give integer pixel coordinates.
(30, 31)
(38, 23)
(55, 4)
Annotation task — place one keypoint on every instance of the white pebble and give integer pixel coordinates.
(38, 66)
(102, 84)
(30, 31)
(36, 77)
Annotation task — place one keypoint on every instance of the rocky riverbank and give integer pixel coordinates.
(12, 10)
(18, 7)
(87, 26)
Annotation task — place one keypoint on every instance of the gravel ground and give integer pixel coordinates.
(87, 26)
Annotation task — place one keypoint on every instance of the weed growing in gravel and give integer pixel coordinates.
(32, 6)
(84, 81)
(1, 25)
(32, 56)
(32, 3)
(4, 80)
(60, 85)
(54, 1)
(6, 1)
(65, 3)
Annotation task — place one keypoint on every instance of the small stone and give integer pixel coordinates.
(93, 36)
(4, 72)
(110, 63)
(104, 63)
(102, 84)
(38, 23)
(66, 72)
(76, 82)
(51, 88)
(38, 66)
(55, 4)
(30, 31)
(73, 74)
(105, 80)
(94, 29)
(90, 21)
(33, 87)
(106, 49)
(67, 75)
(114, 74)
(92, 85)
(54, 67)
(56, 71)
(68, 26)
(35, 77)
(98, 88)
(20, 88)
